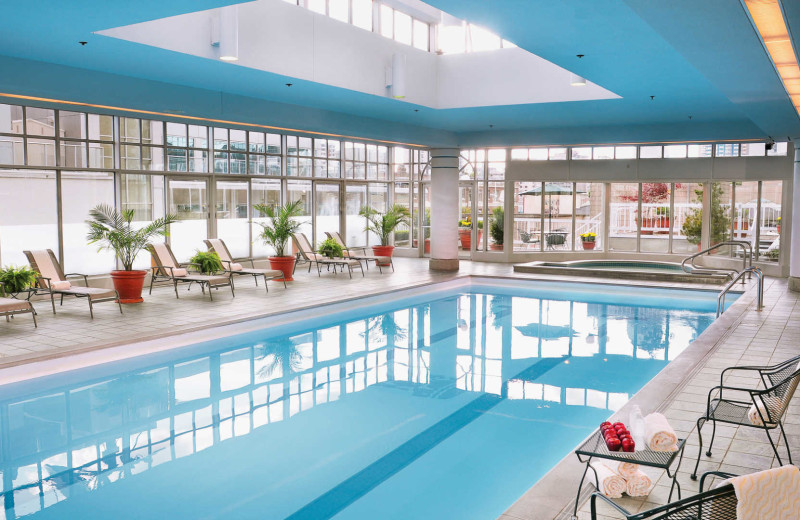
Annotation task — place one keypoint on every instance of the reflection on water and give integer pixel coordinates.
(71, 440)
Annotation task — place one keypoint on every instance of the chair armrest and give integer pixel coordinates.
(722, 474)
(593, 506)
(85, 277)
(721, 388)
(249, 259)
(39, 278)
(163, 267)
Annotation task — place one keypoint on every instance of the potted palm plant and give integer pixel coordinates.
(383, 224)
(115, 230)
(278, 231)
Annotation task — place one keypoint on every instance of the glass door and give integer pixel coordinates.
(231, 216)
(469, 233)
(188, 199)
(355, 198)
(425, 219)
(327, 203)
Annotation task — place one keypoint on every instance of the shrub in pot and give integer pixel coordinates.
(383, 224)
(496, 229)
(207, 262)
(588, 240)
(115, 230)
(330, 248)
(277, 232)
(17, 279)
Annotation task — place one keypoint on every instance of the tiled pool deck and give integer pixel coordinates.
(741, 336)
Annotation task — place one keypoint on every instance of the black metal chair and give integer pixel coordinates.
(714, 504)
(780, 382)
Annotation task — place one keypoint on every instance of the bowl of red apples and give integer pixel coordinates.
(617, 437)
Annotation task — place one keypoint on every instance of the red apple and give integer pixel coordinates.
(605, 424)
(626, 444)
(616, 424)
(614, 444)
(632, 446)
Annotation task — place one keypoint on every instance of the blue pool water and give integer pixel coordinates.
(449, 405)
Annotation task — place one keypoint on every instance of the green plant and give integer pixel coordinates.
(282, 224)
(496, 226)
(383, 224)
(114, 230)
(588, 237)
(692, 227)
(773, 254)
(16, 279)
(207, 261)
(330, 248)
(720, 221)
(466, 223)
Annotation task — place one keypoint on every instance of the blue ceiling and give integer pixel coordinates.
(698, 58)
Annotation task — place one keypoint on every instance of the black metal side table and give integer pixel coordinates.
(595, 447)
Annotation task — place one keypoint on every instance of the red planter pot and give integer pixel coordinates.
(383, 251)
(284, 264)
(128, 285)
(588, 245)
(496, 247)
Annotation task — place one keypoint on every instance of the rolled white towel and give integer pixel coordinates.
(625, 470)
(179, 271)
(60, 285)
(659, 434)
(639, 484)
(773, 405)
(236, 267)
(610, 484)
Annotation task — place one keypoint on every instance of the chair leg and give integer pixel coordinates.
(62, 300)
(53, 301)
(786, 442)
(152, 277)
(284, 282)
(118, 302)
(713, 434)
(233, 291)
(266, 285)
(391, 263)
(700, 423)
(774, 446)
(210, 292)
(33, 315)
(255, 277)
(91, 311)
(175, 282)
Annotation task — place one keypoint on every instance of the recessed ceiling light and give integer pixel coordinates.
(577, 81)
(289, 84)
(580, 55)
(83, 43)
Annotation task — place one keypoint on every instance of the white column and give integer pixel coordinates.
(444, 209)
(794, 255)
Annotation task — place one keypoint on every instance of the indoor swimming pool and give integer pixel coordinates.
(449, 403)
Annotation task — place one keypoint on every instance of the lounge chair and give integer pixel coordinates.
(217, 245)
(52, 281)
(360, 253)
(167, 268)
(763, 409)
(312, 257)
(10, 307)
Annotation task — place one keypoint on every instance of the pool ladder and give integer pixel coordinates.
(747, 249)
(759, 296)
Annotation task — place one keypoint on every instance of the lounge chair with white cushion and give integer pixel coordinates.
(52, 281)
(232, 266)
(167, 268)
(9, 307)
(312, 257)
(360, 253)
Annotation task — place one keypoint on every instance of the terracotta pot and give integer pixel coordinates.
(465, 235)
(779, 228)
(383, 251)
(284, 264)
(588, 245)
(129, 285)
(428, 246)
(496, 247)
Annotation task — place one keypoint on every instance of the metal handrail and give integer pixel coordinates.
(748, 252)
(759, 295)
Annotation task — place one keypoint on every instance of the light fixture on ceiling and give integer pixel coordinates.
(577, 81)
(225, 33)
(768, 19)
(396, 76)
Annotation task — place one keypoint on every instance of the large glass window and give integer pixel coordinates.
(232, 217)
(769, 245)
(144, 194)
(654, 224)
(355, 199)
(301, 190)
(528, 210)
(623, 216)
(686, 217)
(268, 193)
(188, 199)
(26, 226)
(80, 192)
(720, 218)
(589, 215)
(327, 210)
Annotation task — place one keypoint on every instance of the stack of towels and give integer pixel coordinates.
(616, 478)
